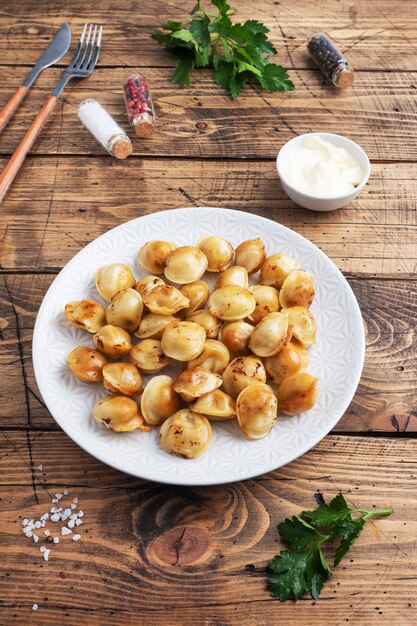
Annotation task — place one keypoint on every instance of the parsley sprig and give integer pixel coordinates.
(236, 52)
(304, 568)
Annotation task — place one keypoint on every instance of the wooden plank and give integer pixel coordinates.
(378, 111)
(376, 235)
(372, 35)
(118, 572)
(385, 400)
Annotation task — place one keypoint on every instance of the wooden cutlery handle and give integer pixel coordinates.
(12, 105)
(13, 166)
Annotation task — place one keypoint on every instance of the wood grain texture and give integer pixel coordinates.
(373, 35)
(386, 400)
(118, 574)
(378, 111)
(8, 110)
(376, 235)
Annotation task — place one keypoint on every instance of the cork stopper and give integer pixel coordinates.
(122, 148)
(144, 128)
(344, 78)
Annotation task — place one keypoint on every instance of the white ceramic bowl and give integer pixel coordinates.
(316, 203)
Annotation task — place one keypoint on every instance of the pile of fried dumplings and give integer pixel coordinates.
(242, 350)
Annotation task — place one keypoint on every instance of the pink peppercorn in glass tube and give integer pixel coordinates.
(139, 105)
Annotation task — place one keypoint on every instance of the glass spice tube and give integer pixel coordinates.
(330, 61)
(139, 105)
(104, 128)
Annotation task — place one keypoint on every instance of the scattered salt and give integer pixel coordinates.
(54, 500)
(73, 506)
(66, 492)
(80, 513)
(28, 533)
(73, 515)
(42, 548)
(76, 537)
(71, 523)
(35, 538)
(40, 467)
(58, 496)
(78, 522)
(47, 532)
(46, 555)
(38, 524)
(44, 517)
(65, 531)
(75, 500)
(55, 517)
(56, 539)
(35, 607)
(24, 522)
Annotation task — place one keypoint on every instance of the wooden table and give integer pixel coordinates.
(159, 555)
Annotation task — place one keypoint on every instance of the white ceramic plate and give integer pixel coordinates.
(337, 358)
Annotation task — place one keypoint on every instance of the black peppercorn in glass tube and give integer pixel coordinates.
(330, 60)
(139, 105)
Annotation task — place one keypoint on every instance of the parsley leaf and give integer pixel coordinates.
(237, 53)
(305, 569)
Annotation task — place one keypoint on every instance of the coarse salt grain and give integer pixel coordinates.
(79, 522)
(71, 523)
(24, 522)
(28, 533)
(67, 512)
(80, 513)
(40, 467)
(38, 524)
(73, 515)
(65, 531)
(56, 539)
(47, 532)
(76, 537)
(75, 500)
(35, 538)
(46, 555)
(54, 500)
(58, 496)
(73, 506)
(55, 517)
(35, 607)
(66, 492)
(44, 516)
(42, 548)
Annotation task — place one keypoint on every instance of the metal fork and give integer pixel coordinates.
(82, 64)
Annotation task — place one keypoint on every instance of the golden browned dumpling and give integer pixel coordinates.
(217, 405)
(122, 378)
(293, 358)
(271, 334)
(113, 341)
(113, 278)
(297, 290)
(276, 268)
(119, 413)
(218, 251)
(197, 293)
(195, 382)
(185, 264)
(125, 310)
(159, 400)
(86, 314)
(251, 255)
(186, 434)
(87, 364)
(183, 341)
(297, 393)
(267, 301)
(256, 410)
(231, 303)
(215, 357)
(148, 356)
(153, 255)
(235, 336)
(242, 372)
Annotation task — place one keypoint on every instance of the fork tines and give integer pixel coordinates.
(86, 54)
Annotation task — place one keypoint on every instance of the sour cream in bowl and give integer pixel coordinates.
(322, 171)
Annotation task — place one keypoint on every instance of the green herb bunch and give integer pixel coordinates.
(236, 52)
(305, 569)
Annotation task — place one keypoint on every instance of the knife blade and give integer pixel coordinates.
(53, 53)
